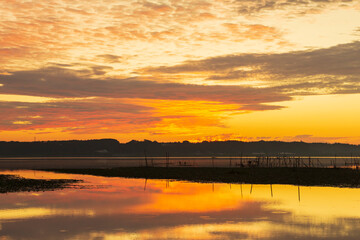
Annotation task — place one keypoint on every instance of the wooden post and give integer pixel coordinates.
(146, 161)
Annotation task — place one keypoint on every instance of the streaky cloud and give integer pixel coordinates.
(336, 69)
(62, 82)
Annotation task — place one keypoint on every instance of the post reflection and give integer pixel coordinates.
(119, 208)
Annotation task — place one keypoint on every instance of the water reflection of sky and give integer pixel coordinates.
(118, 208)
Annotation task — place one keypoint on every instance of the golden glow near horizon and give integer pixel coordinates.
(173, 71)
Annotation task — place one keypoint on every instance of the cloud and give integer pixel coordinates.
(62, 82)
(163, 32)
(109, 58)
(65, 31)
(333, 70)
(339, 60)
(293, 7)
(79, 103)
(111, 49)
(336, 69)
(99, 115)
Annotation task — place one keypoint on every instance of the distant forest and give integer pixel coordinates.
(112, 148)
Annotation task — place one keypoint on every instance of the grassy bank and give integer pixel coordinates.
(12, 183)
(294, 176)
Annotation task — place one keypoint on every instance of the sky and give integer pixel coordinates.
(174, 70)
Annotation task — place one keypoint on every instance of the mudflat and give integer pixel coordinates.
(339, 177)
(13, 183)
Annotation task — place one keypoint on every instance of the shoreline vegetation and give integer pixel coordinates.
(13, 183)
(332, 177)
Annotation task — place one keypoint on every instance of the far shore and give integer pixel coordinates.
(335, 177)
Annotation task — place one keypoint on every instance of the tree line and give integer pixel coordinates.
(111, 147)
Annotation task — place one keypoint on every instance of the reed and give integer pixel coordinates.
(296, 176)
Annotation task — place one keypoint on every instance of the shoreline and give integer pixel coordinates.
(333, 177)
(14, 183)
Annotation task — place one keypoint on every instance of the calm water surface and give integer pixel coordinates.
(119, 208)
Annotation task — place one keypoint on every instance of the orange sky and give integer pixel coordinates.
(180, 70)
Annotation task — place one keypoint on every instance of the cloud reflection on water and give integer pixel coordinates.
(121, 209)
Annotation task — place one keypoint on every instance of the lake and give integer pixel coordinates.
(119, 208)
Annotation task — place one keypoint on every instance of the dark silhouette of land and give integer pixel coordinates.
(335, 177)
(111, 147)
(12, 183)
